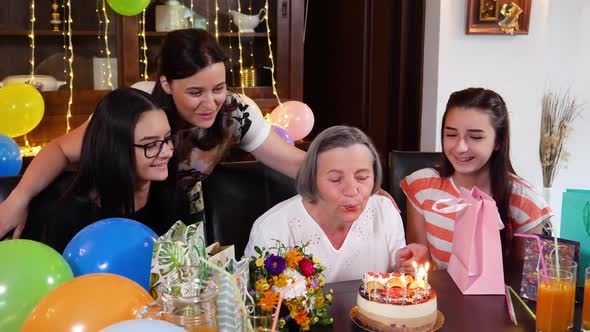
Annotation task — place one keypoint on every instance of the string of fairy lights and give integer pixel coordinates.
(104, 33)
(230, 47)
(144, 59)
(270, 56)
(70, 50)
(216, 21)
(241, 60)
(32, 61)
(106, 46)
(32, 44)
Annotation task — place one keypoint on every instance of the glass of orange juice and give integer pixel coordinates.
(586, 308)
(572, 267)
(554, 301)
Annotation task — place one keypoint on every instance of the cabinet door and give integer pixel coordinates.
(90, 67)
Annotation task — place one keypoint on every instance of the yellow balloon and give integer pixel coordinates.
(21, 109)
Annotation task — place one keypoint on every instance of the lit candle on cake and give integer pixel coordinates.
(426, 268)
(405, 283)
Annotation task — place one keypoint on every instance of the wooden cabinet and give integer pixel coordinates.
(124, 40)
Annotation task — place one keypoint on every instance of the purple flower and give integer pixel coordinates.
(315, 282)
(274, 264)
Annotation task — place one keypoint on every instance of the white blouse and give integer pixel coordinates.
(370, 244)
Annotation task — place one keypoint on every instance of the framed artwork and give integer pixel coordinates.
(498, 17)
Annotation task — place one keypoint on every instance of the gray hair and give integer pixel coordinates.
(331, 138)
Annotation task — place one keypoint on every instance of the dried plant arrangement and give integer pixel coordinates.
(557, 115)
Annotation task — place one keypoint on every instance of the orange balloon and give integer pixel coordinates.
(88, 303)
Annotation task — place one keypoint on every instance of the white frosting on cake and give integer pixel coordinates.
(412, 315)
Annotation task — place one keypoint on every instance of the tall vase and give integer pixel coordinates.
(554, 230)
(547, 194)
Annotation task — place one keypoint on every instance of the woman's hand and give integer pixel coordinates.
(13, 215)
(413, 252)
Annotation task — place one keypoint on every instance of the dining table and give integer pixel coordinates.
(480, 313)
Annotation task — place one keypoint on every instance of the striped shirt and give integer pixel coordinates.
(425, 187)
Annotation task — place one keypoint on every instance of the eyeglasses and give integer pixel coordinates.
(154, 148)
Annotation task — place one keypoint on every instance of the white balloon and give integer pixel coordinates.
(147, 86)
(143, 325)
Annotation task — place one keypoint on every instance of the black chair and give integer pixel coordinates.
(236, 194)
(402, 164)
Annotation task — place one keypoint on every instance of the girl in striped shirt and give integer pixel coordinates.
(475, 136)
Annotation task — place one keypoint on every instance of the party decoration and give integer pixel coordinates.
(128, 7)
(21, 109)
(88, 303)
(115, 245)
(295, 117)
(272, 61)
(11, 160)
(143, 325)
(70, 50)
(29, 271)
(283, 134)
(106, 46)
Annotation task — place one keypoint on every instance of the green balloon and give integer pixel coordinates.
(29, 270)
(128, 7)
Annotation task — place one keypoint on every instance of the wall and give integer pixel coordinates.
(555, 54)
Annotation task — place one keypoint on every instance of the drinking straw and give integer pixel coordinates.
(538, 239)
(510, 305)
(278, 310)
(234, 286)
(526, 307)
(556, 256)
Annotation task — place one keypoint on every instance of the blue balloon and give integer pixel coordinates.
(115, 245)
(143, 325)
(11, 160)
(284, 134)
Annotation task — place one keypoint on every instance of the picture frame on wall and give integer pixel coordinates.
(498, 17)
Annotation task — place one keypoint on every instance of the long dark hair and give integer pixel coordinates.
(107, 159)
(183, 54)
(492, 104)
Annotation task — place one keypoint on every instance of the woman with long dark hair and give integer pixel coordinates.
(475, 136)
(207, 119)
(123, 170)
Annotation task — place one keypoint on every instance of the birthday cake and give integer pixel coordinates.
(396, 302)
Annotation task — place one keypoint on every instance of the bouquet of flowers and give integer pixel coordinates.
(296, 275)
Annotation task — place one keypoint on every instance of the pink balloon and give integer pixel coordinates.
(295, 117)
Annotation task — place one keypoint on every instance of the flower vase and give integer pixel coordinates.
(547, 194)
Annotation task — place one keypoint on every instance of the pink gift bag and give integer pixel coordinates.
(476, 255)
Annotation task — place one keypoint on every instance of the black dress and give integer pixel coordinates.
(71, 215)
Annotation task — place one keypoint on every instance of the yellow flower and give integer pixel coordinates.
(315, 260)
(282, 323)
(261, 285)
(319, 301)
(322, 282)
(259, 262)
(329, 297)
(280, 281)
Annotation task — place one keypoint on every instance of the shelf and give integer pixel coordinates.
(23, 32)
(221, 34)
